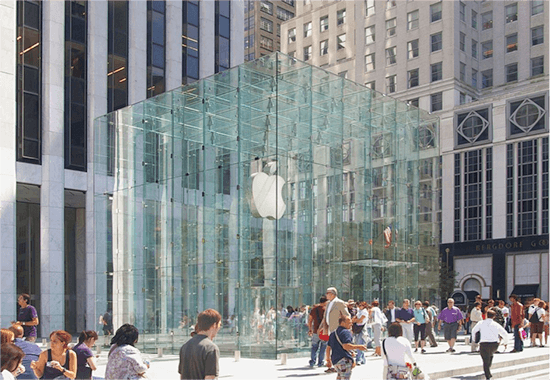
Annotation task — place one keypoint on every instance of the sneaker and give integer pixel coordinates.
(453, 350)
(423, 351)
(449, 350)
(321, 365)
(416, 350)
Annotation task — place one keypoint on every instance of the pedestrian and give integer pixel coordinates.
(546, 324)
(419, 327)
(475, 317)
(27, 317)
(318, 346)
(505, 314)
(516, 322)
(490, 331)
(536, 317)
(335, 309)
(358, 328)
(452, 316)
(31, 350)
(430, 324)
(378, 325)
(84, 357)
(106, 320)
(200, 356)
(6, 336)
(396, 353)
(405, 317)
(59, 360)
(124, 360)
(340, 346)
(10, 361)
(389, 312)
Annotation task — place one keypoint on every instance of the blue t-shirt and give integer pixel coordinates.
(419, 315)
(27, 314)
(337, 351)
(32, 352)
(404, 314)
(83, 352)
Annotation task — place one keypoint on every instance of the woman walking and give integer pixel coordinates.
(378, 322)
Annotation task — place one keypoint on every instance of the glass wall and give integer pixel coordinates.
(253, 190)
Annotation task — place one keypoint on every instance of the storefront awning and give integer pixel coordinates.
(526, 291)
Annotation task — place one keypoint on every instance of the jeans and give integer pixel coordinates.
(487, 350)
(518, 343)
(316, 345)
(360, 355)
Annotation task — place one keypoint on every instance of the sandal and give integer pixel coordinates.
(330, 370)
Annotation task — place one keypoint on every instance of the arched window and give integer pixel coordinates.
(472, 284)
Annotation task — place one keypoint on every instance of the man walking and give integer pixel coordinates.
(199, 357)
(490, 331)
(340, 347)
(452, 316)
(335, 309)
(430, 324)
(516, 322)
(317, 345)
(405, 317)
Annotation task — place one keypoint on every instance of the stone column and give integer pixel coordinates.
(237, 33)
(174, 22)
(137, 57)
(98, 16)
(8, 283)
(207, 35)
(52, 313)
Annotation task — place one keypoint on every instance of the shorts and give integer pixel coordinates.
(450, 330)
(419, 330)
(537, 327)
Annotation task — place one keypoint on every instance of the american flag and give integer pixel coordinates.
(387, 236)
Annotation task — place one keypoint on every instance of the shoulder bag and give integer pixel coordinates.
(395, 371)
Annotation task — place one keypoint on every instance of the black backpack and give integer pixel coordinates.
(499, 318)
(535, 317)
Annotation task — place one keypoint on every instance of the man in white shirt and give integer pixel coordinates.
(476, 316)
(490, 332)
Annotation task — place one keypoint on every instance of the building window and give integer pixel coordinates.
(489, 193)
(486, 20)
(511, 72)
(510, 169)
(323, 48)
(412, 49)
(437, 71)
(117, 64)
(462, 10)
(537, 35)
(249, 41)
(307, 29)
(545, 185)
(537, 6)
(75, 85)
(537, 66)
(291, 35)
(412, 78)
(156, 21)
(436, 101)
(511, 12)
(289, 2)
(390, 4)
(462, 98)
(437, 41)
(307, 53)
(29, 82)
(527, 115)
(391, 27)
(369, 62)
(371, 85)
(249, 23)
(511, 43)
(414, 103)
(457, 196)
(462, 42)
(391, 56)
(474, 19)
(527, 177)
(323, 22)
(472, 126)
(474, 49)
(266, 6)
(341, 17)
(222, 31)
(190, 41)
(266, 43)
(283, 14)
(369, 7)
(343, 74)
(487, 49)
(391, 84)
(462, 72)
(266, 25)
(341, 42)
(369, 35)
(487, 78)
(412, 20)
(474, 78)
(292, 54)
(473, 199)
(435, 12)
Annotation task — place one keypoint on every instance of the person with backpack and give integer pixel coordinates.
(536, 317)
(420, 321)
(431, 324)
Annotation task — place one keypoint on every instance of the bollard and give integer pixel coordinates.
(283, 359)
(467, 340)
(237, 356)
(159, 352)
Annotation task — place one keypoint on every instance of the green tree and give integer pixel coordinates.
(447, 280)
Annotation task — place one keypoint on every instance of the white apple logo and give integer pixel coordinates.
(267, 194)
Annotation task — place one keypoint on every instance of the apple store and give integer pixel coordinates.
(252, 191)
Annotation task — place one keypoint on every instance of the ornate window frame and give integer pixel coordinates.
(487, 124)
(527, 130)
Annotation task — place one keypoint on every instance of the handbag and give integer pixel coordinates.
(357, 329)
(522, 334)
(396, 371)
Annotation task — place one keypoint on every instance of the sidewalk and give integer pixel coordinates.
(435, 360)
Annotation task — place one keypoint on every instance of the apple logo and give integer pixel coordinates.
(267, 193)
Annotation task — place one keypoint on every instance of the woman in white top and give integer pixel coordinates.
(360, 319)
(10, 361)
(378, 322)
(396, 350)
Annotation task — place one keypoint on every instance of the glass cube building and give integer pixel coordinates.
(256, 189)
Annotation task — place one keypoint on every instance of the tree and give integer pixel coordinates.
(447, 280)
